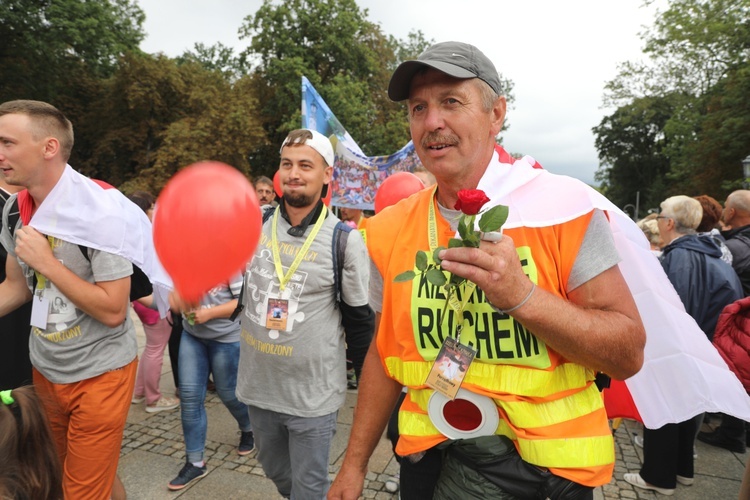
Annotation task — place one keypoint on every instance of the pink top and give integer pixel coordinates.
(148, 316)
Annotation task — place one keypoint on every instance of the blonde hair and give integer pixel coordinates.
(651, 229)
(46, 121)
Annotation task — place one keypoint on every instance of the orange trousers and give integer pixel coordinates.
(87, 420)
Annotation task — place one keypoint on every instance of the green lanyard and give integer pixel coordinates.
(432, 236)
(284, 278)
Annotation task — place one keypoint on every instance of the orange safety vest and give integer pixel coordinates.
(549, 407)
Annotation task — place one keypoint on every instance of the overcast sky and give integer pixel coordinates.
(558, 53)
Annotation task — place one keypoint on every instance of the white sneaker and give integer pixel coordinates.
(163, 404)
(138, 399)
(687, 481)
(637, 481)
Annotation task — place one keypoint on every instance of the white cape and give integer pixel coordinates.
(80, 211)
(683, 374)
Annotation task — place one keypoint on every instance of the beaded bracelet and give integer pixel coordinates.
(506, 311)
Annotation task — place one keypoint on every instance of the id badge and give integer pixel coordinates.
(39, 311)
(450, 367)
(277, 314)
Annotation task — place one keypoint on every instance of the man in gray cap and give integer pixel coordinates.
(550, 310)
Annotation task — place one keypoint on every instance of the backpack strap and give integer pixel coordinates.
(338, 251)
(267, 214)
(13, 215)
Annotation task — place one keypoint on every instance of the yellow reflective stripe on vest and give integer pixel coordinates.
(500, 379)
(568, 453)
(564, 453)
(530, 415)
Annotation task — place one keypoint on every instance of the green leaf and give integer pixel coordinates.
(493, 219)
(455, 243)
(435, 255)
(462, 226)
(405, 276)
(472, 240)
(436, 277)
(421, 260)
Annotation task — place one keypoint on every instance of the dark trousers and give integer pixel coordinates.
(174, 346)
(416, 480)
(668, 452)
(15, 365)
(733, 429)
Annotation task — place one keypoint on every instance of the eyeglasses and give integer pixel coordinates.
(662, 217)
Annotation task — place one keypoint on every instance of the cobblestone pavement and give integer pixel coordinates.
(160, 434)
(718, 472)
(153, 452)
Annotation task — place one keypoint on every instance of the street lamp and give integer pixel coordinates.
(631, 207)
(746, 170)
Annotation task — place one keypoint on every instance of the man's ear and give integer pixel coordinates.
(498, 115)
(51, 147)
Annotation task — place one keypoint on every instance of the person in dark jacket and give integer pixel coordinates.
(693, 264)
(732, 434)
(736, 215)
(705, 284)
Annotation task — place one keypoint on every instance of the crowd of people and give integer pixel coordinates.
(543, 311)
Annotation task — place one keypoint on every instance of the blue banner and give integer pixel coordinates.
(356, 177)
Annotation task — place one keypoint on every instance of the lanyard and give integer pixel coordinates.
(467, 286)
(284, 278)
(41, 281)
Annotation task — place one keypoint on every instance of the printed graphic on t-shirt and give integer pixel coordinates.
(61, 314)
(497, 337)
(264, 288)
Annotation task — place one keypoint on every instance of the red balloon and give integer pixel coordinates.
(277, 185)
(206, 226)
(395, 188)
(279, 193)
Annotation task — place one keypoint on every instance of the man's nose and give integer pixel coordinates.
(434, 118)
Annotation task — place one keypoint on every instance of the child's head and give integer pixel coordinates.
(29, 466)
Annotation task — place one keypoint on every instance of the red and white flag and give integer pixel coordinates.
(682, 374)
(85, 212)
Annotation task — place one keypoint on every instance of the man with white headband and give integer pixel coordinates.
(295, 330)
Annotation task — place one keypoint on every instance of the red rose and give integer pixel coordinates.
(471, 201)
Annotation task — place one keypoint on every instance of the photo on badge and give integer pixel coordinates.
(449, 369)
(277, 314)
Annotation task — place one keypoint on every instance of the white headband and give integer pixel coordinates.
(319, 143)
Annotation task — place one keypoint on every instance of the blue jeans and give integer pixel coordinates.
(294, 451)
(198, 358)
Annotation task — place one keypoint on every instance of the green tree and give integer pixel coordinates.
(47, 45)
(157, 116)
(217, 57)
(698, 62)
(346, 57)
(60, 51)
(631, 143)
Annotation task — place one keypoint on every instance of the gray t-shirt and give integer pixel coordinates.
(300, 370)
(597, 254)
(219, 329)
(74, 346)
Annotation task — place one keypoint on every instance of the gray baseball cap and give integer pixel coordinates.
(457, 59)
